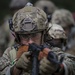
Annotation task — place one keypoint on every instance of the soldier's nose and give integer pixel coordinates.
(30, 41)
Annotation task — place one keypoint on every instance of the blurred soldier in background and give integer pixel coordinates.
(14, 6)
(72, 42)
(46, 5)
(64, 18)
(4, 37)
(3, 40)
(56, 36)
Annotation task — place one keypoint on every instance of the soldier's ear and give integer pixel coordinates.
(11, 24)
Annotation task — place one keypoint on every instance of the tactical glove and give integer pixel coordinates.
(47, 67)
(24, 61)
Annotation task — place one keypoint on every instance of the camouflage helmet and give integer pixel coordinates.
(63, 17)
(29, 20)
(17, 4)
(56, 31)
(48, 6)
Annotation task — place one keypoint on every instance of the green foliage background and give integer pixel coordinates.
(68, 4)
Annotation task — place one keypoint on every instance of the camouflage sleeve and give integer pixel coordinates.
(69, 64)
(4, 61)
(68, 61)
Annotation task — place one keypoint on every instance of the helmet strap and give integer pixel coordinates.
(17, 39)
(42, 37)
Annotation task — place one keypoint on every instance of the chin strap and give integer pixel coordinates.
(42, 37)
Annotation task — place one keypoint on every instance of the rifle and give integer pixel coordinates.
(36, 52)
(35, 62)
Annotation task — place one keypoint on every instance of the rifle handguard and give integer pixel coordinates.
(21, 50)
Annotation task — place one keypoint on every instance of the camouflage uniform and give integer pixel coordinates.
(29, 22)
(9, 57)
(3, 41)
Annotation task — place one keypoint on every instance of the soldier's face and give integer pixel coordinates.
(55, 42)
(31, 38)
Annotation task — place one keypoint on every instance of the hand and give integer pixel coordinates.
(47, 67)
(24, 61)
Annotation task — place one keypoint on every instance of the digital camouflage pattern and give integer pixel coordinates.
(46, 4)
(56, 31)
(63, 17)
(68, 61)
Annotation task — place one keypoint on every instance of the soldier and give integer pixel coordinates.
(64, 18)
(16, 5)
(56, 36)
(72, 42)
(46, 5)
(33, 23)
(3, 40)
(29, 25)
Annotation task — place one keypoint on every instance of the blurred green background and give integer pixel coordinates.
(68, 4)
